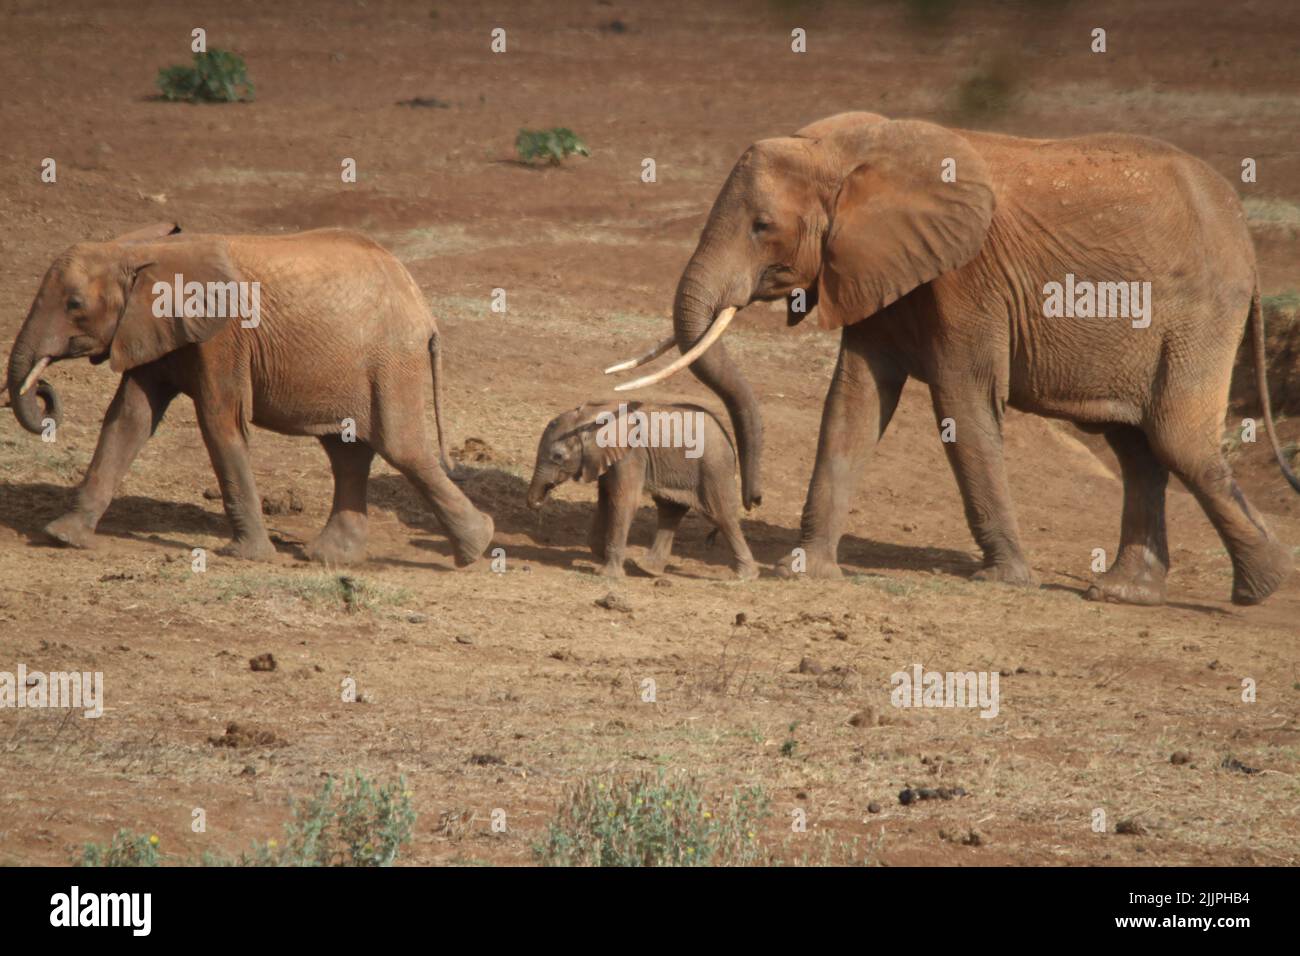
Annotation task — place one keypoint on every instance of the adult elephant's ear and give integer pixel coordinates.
(916, 203)
(156, 319)
(601, 449)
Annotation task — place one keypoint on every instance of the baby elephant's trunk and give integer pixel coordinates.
(544, 479)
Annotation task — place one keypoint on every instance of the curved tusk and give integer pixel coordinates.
(32, 376)
(699, 348)
(658, 350)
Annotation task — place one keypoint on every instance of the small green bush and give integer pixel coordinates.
(357, 824)
(549, 145)
(646, 821)
(126, 849)
(217, 76)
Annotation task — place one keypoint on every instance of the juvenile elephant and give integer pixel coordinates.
(599, 442)
(338, 343)
(945, 255)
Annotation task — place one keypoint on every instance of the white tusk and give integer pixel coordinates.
(32, 376)
(699, 348)
(649, 356)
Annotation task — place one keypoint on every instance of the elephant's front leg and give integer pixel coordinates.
(227, 442)
(599, 523)
(863, 395)
(623, 484)
(970, 425)
(132, 417)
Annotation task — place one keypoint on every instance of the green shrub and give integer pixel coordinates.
(646, 821)
(550, 145)
(217, 76)
(357, 824)
(126, 849)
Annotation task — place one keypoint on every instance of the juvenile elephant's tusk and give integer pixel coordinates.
(32, 376)
(658, 350)
(699, 348)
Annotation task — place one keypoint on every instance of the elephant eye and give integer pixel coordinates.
(557, 457)
(761, 225)
(74, 303)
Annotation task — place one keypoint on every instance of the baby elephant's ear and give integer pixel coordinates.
(155, 320)
(600, 450)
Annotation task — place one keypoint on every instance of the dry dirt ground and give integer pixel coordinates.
(458, 667)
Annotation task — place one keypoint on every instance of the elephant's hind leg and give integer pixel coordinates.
(1137, 575)
(470, 530)
(722, 508)
(656, 558)
(1260, 563)
(343, 540)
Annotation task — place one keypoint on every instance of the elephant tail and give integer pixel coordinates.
(435, 364)
(1261, 381)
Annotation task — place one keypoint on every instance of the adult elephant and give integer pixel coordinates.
(944, 255)
(320, 333)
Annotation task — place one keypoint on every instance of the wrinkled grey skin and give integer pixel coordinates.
(568, 451)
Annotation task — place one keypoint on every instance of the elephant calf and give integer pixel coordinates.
(321, 333)
(679, 453)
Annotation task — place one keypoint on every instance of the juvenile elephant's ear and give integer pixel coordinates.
(600, 449)
(150, 233)
(153, 321)
(917, 203)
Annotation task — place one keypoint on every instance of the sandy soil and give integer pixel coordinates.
(523, 665)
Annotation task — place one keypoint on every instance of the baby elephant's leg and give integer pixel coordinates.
(742, 562)
(599, 524)
(722, 508)
(656, 558)
(623, 485)
(343, 541)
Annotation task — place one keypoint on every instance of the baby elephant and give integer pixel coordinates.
(679, 453)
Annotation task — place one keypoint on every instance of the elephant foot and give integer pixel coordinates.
(805, 562)
(1017, 573)
(72, 530)
(249, 549)
(612, 569)
(650, 565)
(1116, 587)
(1254, 580)
(746, 570)
(471, 548)
(338, 545)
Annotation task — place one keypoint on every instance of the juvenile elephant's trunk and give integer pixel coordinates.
(41, 400)
(544, 480)
(697, 303)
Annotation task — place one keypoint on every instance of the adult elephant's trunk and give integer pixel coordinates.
(40, 401)
(699, 299)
